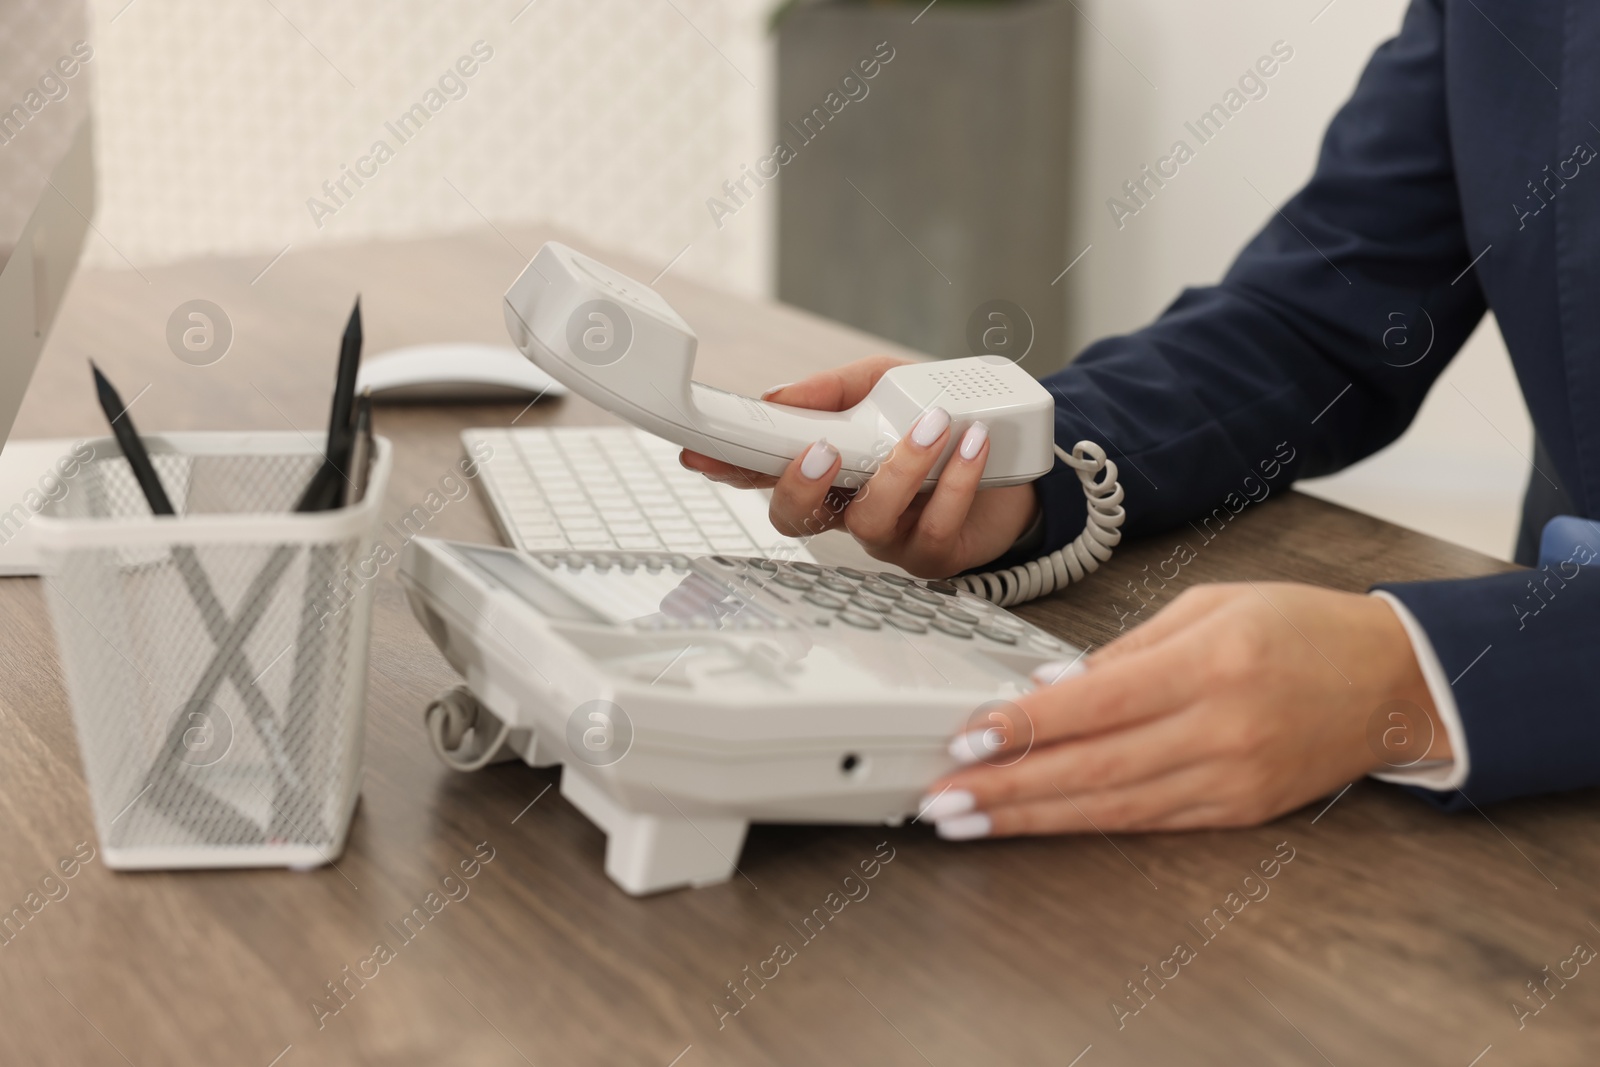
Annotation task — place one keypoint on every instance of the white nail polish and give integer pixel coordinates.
(945, 805)
(819, 458)
(976, 745)
(776, 389)
(929, 427)
(965, 827)
(1059, 670)
(972, 441)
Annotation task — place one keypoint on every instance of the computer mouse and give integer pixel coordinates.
(455, 372)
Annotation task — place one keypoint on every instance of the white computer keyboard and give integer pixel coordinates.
(616, 487)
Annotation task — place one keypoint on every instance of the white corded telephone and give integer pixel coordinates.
(616, 342)
(687, 698)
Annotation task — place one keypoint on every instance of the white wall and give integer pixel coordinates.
(612, 118)
(618, 118)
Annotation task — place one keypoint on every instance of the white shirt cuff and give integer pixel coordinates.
(1441, 775)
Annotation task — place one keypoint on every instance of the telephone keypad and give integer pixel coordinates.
(854, 597)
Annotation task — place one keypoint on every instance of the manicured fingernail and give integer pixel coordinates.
(972, 441)
(776, 389)
(930, 427)
(1051, 673)
(976, 745)
(965, 827)
(945, 805)
(819, 460)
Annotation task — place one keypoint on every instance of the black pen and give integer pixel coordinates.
(133, 450)
(323, 492)
(360, 450)
(344, 389)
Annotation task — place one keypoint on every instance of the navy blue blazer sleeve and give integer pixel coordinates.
(1290, 345)
(1518, 648)
(1282, 370)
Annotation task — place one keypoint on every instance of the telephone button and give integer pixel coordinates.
(994, 633)
(905, 622)
(956, 614)
(881, 588)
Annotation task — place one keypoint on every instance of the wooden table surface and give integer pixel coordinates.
(1394, 934)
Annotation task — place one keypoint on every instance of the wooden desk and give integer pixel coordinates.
(1395, 935)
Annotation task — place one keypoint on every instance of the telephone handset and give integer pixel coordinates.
(618, 343)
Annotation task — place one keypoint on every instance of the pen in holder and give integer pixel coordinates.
(216, 658)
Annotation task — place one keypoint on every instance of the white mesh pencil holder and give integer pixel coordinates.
(216, 661)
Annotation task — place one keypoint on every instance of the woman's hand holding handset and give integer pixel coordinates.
(931, 535)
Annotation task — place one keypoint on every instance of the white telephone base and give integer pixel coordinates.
(686, 699)
(616, 342)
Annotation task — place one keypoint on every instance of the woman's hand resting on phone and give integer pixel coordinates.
(932, 535)
(1229, 707)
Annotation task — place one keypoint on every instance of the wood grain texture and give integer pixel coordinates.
(1395, 934)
